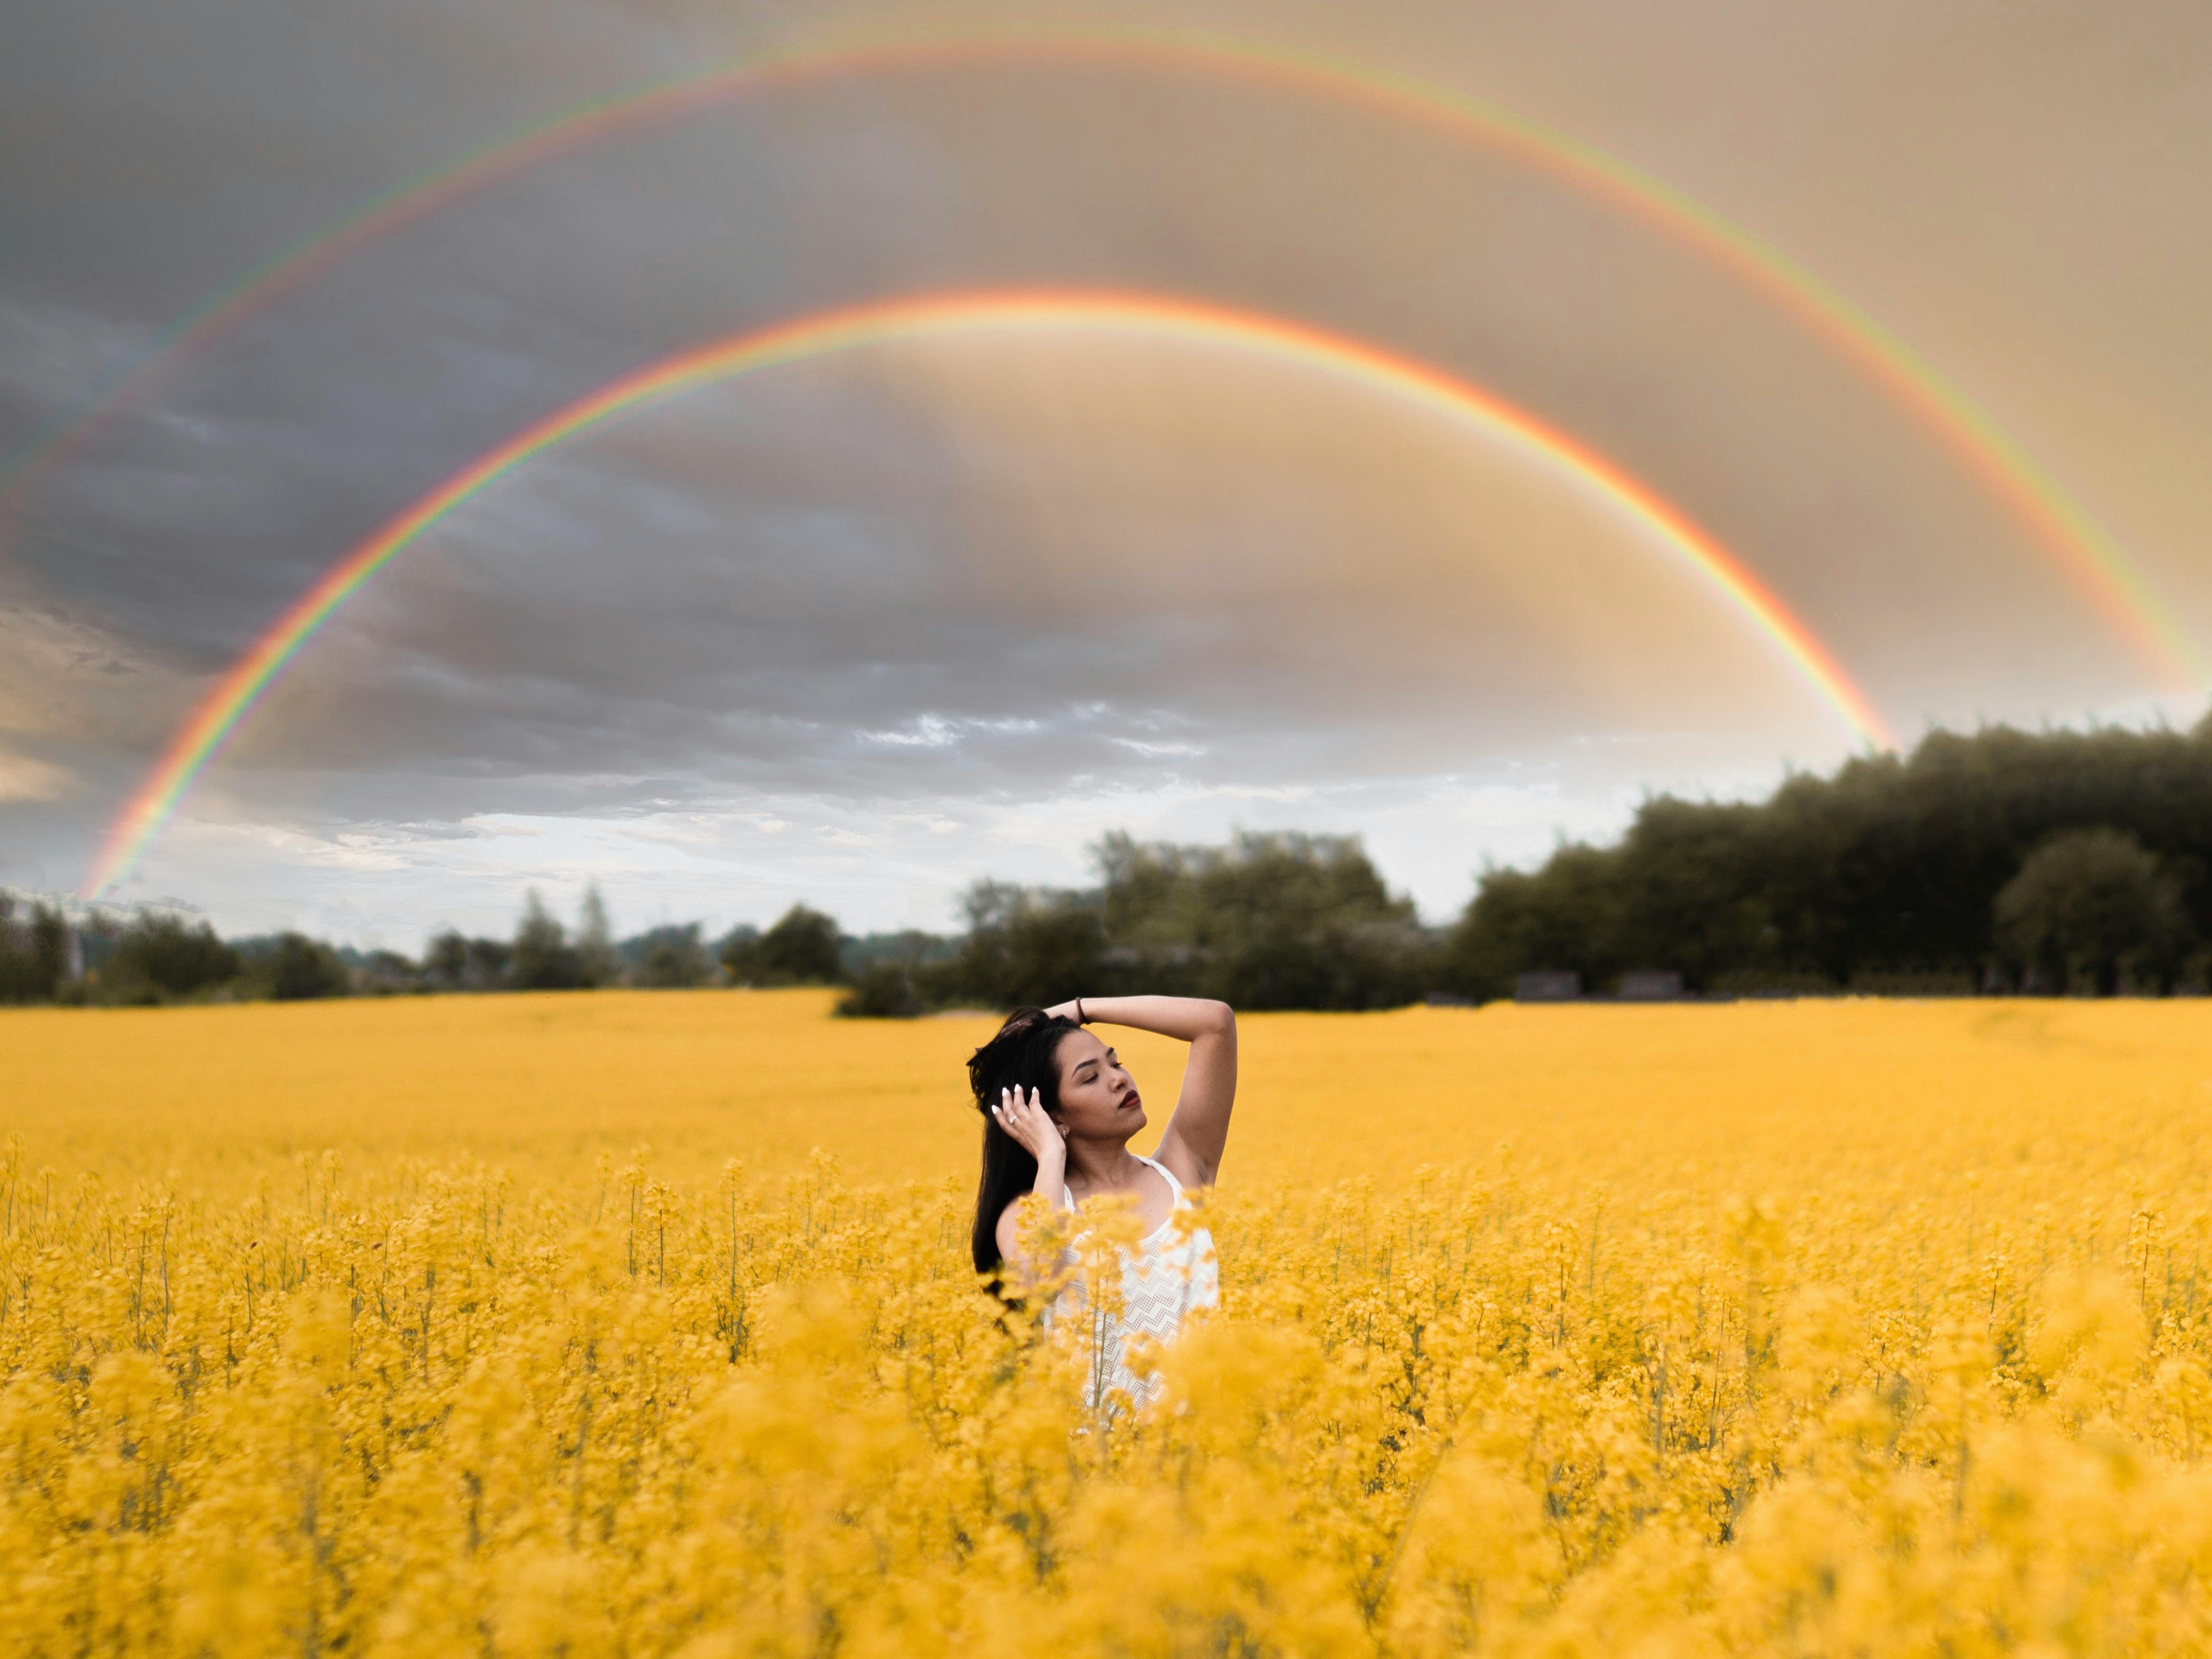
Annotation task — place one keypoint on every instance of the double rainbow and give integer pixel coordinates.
(249, 678)
(2088, 557)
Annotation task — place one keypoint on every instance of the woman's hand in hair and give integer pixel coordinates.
(1031, 1126)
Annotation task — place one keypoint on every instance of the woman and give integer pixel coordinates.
(1058, 1112)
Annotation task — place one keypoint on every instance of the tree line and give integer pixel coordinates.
(2001, 860)
(1277, 921)
(2050, 862)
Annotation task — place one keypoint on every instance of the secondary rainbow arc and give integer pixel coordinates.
(234, 695)
(2091, 560)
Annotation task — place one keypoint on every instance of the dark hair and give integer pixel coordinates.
(1024, 1055)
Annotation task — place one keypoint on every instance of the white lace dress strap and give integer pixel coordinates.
(1176, 1199)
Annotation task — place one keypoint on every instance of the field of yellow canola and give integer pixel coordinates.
(641, 1324)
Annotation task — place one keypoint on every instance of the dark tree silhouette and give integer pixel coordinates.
(885, 990)
(298, 969)
(803, 948)
(596, 963)
(670, 958)
(34, 952)
(2091, 904)
(156, 956)
(1886, 872)
(543, 960)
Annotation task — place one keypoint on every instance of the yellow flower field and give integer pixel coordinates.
(642, 1323)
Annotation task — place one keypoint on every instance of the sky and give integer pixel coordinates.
(861, 627)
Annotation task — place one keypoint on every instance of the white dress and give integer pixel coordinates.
(1162, 1279)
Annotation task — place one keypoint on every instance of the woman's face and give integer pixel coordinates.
(1098, 1098)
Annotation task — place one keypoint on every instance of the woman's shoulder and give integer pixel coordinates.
(1175, 1186)
(1180, 1164)
(1007, 1229)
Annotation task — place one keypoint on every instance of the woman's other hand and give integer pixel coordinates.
(1031, 1126)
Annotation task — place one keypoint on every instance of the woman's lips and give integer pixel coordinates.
(1132, 1101)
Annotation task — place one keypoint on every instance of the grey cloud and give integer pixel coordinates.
(879, 585)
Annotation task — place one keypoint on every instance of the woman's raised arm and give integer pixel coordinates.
(1199, 1131)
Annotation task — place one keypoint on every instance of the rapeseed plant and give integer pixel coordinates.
(1913, 1357)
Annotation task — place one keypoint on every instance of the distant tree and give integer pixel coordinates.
(596, 963)
(18, 981)
(1269, 920)
(2092, 904)
(489, 962)
(883, 990)
(734, 948)
(49, 949)
(542, 958)
(1887, 872)
(1334, 964)
(386, 972)
(1565, 916)
(95, 943)
(1028, 946)
(1306, 922)
(669, 957)
(446, 961)
(802, 948)
(297, 969)
(156, 956)
(910, 947)
(34, 952)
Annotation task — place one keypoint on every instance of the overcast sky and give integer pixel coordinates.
(861, 628)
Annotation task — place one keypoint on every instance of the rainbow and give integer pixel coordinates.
(249, 678)
(2085, 554)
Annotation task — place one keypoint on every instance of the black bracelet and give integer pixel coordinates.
(1081, 1018)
